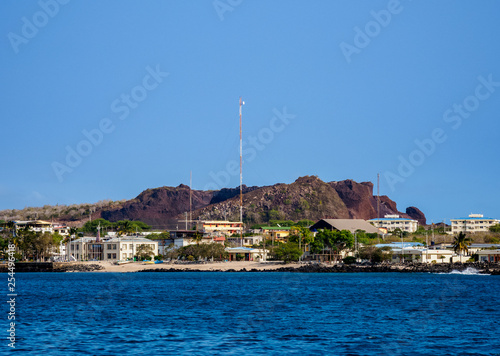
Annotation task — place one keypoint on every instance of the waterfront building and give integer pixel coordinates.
(247, 254)
(114, 249)
(84, 248)
(472, 224)
(474, 248)
(417, 252)
(424, 255)
(393, 222)
(127, 247)
(351, 225)
(489, 255)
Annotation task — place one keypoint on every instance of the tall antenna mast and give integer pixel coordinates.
(241, 178)
(190, 197)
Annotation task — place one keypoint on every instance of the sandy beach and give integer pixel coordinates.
(209, 266)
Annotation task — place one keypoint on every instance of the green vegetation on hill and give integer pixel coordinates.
(495, 228)
(72, 212)
(123, 227)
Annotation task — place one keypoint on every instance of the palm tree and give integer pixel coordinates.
(125, 227)
(461, 244)
(197, 237)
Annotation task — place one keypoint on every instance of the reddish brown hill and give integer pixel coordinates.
(358, 198)
(416, 214)
(306, 198)
(159, 206)
(362, 204)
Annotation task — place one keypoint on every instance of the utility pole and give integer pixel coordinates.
(356, 246)
(427, 248)
(402, 246)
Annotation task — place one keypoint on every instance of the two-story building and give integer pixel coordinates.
(114, 249)
(215, 227)
(393, 222)
(35, 225)
(473, 223)
(276, 233)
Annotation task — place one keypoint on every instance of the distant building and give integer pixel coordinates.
(181, 238)
(62, 229)
(276, 233)
(393, 222)
(248, 241)
(473, 223)
(226, 228)
(35, 225)
(351, 225)
(489, 255)
(246, 254)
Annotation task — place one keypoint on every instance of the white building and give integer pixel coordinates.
(489, 255)
(126, 247)
(35, 225)
(393, 222)
(115, 249)
(226, 228)
(84, 249)
(473, 223)
(246, 254)
(425, 255)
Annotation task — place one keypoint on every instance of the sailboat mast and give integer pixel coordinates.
(241, 179)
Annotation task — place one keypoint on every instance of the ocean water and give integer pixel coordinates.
(217, 313)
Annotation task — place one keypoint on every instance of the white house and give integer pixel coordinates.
(473, 223)
(489, 255)
(221, 227)
(247, 254)
(393, 222)
(425, 255)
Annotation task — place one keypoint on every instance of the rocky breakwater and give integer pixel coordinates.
(466, 268)
(77, 267)
(52, 267)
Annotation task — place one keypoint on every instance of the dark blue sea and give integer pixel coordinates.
(216, 313)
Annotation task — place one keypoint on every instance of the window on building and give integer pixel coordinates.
(109, 256)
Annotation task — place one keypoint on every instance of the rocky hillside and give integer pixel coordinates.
(306, 198)
(163, 206)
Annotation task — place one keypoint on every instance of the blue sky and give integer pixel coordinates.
(103, 99)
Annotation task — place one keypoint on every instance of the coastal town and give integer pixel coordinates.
(391, 239)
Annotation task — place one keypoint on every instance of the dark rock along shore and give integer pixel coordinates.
(485, 268)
